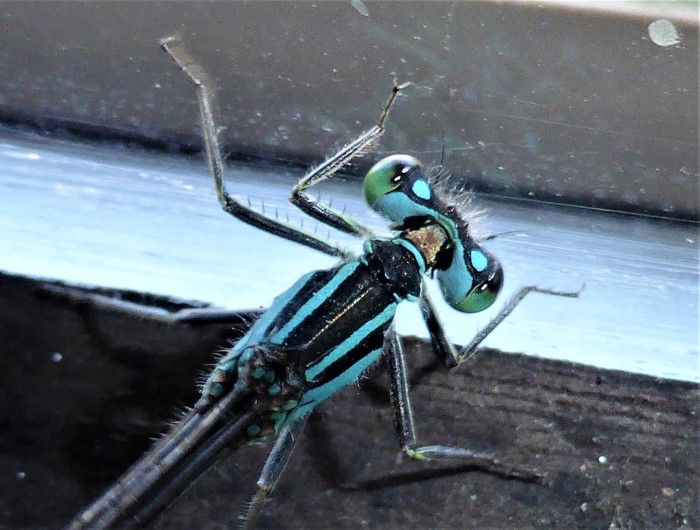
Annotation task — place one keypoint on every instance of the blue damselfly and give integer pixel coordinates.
(326, 330)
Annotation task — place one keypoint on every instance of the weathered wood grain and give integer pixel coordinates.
(618, 450)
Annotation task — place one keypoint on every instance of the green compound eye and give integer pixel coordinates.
(474, 287)
(386, 175)
(396, 188)
(482, 297)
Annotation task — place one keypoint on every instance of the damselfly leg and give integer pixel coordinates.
(445, 349)
(273, 468)
(306, 203)
(451, 357)
(81, 296)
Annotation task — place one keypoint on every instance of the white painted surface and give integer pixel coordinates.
(122, 218)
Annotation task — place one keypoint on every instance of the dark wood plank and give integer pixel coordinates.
(82, 390)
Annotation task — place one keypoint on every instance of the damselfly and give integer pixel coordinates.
(326, 330)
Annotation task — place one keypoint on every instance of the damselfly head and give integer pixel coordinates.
(397, 187)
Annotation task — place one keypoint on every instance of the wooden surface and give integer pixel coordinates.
(83, 389)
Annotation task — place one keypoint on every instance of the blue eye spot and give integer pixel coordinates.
(479, 260)
(422, 189)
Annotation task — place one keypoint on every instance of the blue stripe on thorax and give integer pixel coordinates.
(314, 302)
(316, 395)
(350, 343)
(255, 335)
(257, 332)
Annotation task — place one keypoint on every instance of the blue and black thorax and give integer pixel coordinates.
(329, 327)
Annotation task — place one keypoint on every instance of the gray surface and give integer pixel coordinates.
(577, 104)
(125, 218)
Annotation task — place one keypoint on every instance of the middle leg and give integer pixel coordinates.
(406, 429)
(230, 204)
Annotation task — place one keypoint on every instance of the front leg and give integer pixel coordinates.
(445, 350)
(326, 214)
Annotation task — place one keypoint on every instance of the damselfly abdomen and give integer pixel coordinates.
(326, 330)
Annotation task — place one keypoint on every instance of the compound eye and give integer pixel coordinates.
(387, 175)
(484, 294)
(472, 281)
